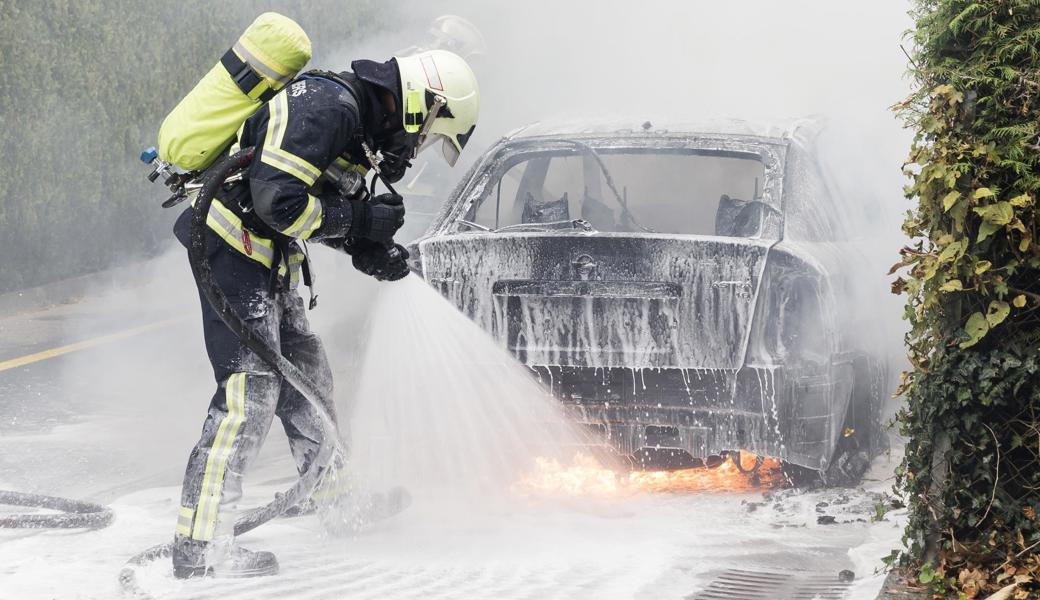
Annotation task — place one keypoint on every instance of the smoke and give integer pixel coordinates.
(688, 62)
(674, 62)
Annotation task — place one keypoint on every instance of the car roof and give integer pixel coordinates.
(778, 131)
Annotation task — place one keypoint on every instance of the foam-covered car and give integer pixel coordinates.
(685, 292)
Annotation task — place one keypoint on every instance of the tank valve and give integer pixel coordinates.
(162, 168)
(171, 178)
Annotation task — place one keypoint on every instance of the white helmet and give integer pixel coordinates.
(441, 101)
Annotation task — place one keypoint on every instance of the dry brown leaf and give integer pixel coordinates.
(971, 582)
(1003, 593)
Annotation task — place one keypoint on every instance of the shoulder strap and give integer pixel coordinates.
(245, 76)
(350, 86)
(335, 78)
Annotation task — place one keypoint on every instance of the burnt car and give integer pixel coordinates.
(684, 292)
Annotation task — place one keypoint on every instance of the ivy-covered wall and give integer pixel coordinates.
(971, 277)
(83, 88)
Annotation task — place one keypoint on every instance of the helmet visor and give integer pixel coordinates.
(448, 149)
(450, 152)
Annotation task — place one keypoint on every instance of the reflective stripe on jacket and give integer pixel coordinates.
(298, 135)
(228, 226)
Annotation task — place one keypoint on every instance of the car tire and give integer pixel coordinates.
(866, 406)
(863, 436)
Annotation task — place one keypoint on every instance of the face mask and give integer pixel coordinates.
(396, 150)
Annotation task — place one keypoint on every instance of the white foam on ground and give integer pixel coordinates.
(661, 546)
(447, 545)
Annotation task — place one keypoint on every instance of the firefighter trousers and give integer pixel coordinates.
(249, 394)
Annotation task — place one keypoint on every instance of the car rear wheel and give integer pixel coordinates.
(863, 435)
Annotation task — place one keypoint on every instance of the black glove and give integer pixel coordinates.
(378, 219)
(385, 263)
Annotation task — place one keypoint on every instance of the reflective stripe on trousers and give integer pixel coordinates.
(248, 396)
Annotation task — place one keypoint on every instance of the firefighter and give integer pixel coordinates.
(314, 130)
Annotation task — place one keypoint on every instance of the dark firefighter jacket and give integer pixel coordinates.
(309, 125)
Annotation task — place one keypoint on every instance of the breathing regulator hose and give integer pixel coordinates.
(212, 181)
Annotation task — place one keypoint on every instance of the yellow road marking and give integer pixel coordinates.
(105, 339)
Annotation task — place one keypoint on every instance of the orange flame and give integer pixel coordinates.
(585, 476)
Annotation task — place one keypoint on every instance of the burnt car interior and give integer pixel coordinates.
(627, 191)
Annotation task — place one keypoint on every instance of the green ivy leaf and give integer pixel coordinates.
(1021, 200)
(931, 267)
(959, 212)
(927, 573)
(986, 229)
(983, 192)
(1000, 213)
(954, 249)
(953, 285)
(976, 328)
(997, 312)
(949, 200)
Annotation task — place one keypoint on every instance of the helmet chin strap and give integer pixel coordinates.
(375, 159)
(415, 138)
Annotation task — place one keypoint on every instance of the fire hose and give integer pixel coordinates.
(73, 514)
(212, 181)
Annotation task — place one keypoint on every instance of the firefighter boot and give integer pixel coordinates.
(221, 559)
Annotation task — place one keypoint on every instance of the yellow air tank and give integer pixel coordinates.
(266, 57)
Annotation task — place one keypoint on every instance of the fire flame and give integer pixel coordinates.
(585, 476)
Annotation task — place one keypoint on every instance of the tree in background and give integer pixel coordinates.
(972, 282)
(83, 89)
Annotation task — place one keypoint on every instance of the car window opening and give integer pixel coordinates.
(629, 191)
